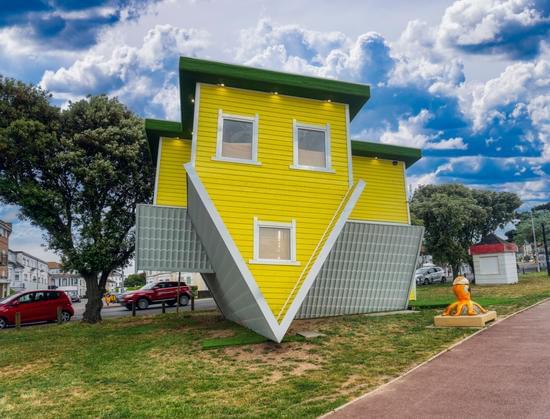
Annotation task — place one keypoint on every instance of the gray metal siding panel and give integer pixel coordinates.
(228, 287)
(369, 269)
(167, 241)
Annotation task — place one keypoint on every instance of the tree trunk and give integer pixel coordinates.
(92, 314)
(456, 270)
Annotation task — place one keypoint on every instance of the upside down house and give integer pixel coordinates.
(261, 189)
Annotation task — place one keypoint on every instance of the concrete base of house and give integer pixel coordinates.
(479, 320)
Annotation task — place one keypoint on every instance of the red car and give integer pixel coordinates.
(157, 293)
(35, 306)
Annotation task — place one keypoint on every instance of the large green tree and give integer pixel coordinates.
(135, 280)
(455, 217)
(78, 174)
(524, 226)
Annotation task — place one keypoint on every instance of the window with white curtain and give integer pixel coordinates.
(311, 147)
(237, 138)
(274, 242)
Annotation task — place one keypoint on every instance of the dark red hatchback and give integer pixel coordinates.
(35, 306)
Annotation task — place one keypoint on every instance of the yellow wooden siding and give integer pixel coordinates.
(172, 181)
(272, 191)
(384, 197)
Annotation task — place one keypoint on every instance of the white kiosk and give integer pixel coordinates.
(494, 261)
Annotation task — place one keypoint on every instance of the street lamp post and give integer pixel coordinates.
(535, 247)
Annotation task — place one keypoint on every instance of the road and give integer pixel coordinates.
(116, 310)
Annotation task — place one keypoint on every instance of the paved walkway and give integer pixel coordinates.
(502, 372)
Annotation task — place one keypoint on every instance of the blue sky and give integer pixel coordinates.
(468, 80)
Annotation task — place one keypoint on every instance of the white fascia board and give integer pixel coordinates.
(278, 330)
(233, 249)
(318, 264)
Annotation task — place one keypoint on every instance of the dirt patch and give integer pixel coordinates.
(273, 353)
(17, 371)
(221, 333)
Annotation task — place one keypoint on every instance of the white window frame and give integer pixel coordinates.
(219, 141)
(323, 128)
(272, 224)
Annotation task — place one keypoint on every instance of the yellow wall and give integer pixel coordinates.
(384, 197)
(272, 191)
(172, 181)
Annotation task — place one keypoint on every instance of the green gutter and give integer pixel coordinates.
(408, 155)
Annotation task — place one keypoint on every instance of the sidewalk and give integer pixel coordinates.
(503, 372)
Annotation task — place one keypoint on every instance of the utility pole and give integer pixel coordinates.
(535, 242)
(546, 256)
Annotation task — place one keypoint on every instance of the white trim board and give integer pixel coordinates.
(157, 172)
(277, 330)
(350, 156)
(195, 132)
(389, 223)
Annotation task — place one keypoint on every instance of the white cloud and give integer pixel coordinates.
(422, 63)
(323, 54)
(412, 132)
(456, 143)
(513, 27)
(138, 75)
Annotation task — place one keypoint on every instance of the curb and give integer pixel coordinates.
(450, 348)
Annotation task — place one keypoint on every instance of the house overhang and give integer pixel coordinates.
(193, 71)
(408, 155)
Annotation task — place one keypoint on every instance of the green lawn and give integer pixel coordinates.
(156, 366)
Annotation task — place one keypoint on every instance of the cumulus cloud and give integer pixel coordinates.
(324, 54)
(144, 77)
(67, 25)
(412, 132)
(456, 143)
(512, 27)
(518, 98)
(421, 62)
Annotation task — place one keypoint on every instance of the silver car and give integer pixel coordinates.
(429, 275)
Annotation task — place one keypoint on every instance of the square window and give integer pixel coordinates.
(274, 243)
(237, 139)
(311, 148)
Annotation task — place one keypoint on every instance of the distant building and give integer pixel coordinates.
(5, 231)
(115, 280)
(60, 278)
(26, 272)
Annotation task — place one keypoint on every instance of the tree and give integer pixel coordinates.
(524, 230)
(455, 217)
(135, 280)
(78, 174)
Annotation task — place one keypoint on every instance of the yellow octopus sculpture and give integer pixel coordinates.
(464, 306)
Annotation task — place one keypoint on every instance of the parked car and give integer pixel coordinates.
(166, 291)
(35, 306)
(72, 292)
(429, 275)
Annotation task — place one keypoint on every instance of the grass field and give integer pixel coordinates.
(156, 366)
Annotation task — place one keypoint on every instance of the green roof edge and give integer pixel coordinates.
(156, 128)
(193, 70)
(409, 155)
